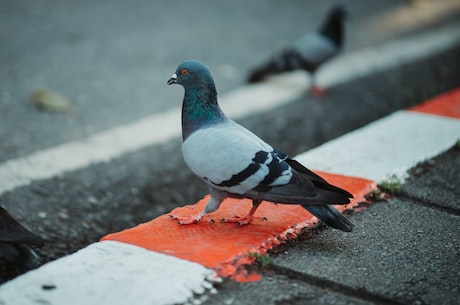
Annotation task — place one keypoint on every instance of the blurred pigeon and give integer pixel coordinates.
(309, 52)
(236, 163)
(14, 239)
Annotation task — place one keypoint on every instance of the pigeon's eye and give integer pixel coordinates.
(184, 71)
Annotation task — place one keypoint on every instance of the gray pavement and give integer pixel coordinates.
(402, 251)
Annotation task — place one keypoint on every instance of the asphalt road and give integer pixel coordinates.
(112, 60)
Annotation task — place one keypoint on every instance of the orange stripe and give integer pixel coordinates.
(225, 247)
(447, 104)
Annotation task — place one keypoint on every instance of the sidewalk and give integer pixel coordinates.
(404, 251)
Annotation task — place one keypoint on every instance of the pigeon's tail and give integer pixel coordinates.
(287, 60)
(330, 216)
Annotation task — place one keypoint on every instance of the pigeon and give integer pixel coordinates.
(309, 52)
(235, 163)
(14, 241)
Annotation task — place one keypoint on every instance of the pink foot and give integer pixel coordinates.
(187, 220)
(318, 91)
(240, 220)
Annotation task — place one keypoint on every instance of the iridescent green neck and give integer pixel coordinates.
(199, 109)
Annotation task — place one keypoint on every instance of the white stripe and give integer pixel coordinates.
(110, 273)
(243, 101)
(101, 147)
(386, 147)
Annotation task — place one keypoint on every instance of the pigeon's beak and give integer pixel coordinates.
(173, 79)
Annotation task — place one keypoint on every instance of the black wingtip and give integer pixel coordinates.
(330, 216)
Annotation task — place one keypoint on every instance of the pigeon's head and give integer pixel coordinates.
(339, 12)
(192, 74)
(333, 25)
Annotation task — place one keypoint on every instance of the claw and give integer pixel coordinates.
(241, 221)
(246, 219)
(186, 220)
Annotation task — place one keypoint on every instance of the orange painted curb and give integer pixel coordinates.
(227, 247)
(447, 104)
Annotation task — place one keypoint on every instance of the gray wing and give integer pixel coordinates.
(315, 48)
(304, 187)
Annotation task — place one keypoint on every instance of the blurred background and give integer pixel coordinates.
(111, 59)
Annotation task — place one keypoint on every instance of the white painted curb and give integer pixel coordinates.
(110, 273)
(386, 147)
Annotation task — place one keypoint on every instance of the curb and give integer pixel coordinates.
(226, 247)
(150, 276)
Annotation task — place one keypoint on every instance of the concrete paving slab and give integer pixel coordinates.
(275, 289)
(399, 250)
(436, 181)
(110, 273)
